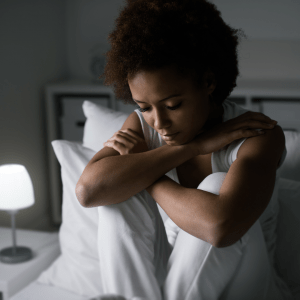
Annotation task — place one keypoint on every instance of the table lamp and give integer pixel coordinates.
(16, 192)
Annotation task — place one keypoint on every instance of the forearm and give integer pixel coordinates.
(114, 179)
(195, 211)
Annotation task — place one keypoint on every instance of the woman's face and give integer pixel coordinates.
(170, 104)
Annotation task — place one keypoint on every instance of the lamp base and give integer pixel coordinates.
(9, 256)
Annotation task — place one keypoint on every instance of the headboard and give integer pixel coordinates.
(65, 118)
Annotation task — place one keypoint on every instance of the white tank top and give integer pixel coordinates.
(221, 161)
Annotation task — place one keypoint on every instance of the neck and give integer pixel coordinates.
(215, 118)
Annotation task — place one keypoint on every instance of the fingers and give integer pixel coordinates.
(123, 141)
(125, 137)
(252, 120)
(251, 115)
(257, 124)
(132, 133)
(244, 133)
(117, 146)
(120, 143)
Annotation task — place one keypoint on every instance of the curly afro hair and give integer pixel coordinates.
(189, 34)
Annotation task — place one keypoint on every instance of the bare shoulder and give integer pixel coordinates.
(268, 147)
(132, 122)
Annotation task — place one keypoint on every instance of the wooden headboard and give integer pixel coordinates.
(65, 118)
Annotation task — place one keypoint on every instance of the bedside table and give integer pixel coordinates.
(45, 249)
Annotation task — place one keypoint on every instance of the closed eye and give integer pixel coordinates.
(168, 107)
(173, 107)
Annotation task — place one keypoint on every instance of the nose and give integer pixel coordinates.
(161, 121)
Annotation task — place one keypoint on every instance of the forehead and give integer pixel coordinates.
(161, 81)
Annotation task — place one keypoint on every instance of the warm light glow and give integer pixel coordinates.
(16, 189)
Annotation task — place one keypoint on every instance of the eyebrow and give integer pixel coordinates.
(172, 96)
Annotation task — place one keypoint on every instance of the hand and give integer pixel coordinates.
(224, 133)
(126, 141)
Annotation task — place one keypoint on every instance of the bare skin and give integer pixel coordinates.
(188, 119)
(125, 166)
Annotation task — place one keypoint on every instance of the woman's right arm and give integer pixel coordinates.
(111, 178)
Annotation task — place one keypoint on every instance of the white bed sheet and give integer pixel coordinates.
(38, 291)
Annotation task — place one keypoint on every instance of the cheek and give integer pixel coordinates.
(194, 124)
(195, 120)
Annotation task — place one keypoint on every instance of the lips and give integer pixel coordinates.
(169, 137)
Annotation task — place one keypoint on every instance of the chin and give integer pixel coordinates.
(178, 143)
(173, 143)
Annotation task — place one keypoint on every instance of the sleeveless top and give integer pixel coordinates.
(221, 161)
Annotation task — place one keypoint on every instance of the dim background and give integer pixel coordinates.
(51, 40)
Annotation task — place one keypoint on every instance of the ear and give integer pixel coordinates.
(210, 81)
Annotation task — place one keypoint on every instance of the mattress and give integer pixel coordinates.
(38, 291)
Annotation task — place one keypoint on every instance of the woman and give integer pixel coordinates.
(177, 60)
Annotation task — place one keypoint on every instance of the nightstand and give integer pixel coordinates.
(45, 248)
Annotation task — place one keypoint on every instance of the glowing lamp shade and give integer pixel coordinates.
(16, 192)
(16, 189)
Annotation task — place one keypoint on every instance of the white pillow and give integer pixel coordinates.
(100, 125)
(288, 234)
(77, 268)
(291, 166)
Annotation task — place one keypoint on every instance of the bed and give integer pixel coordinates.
(74, 274)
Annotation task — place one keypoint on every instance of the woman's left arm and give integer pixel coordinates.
(248, 186)
(223, 219)
(246, 191)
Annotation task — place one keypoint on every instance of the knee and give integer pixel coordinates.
(135, 215)
(213, 182)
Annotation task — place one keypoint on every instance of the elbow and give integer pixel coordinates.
(84, 196)
(221, 238)
(81, 195)
(226, 240)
